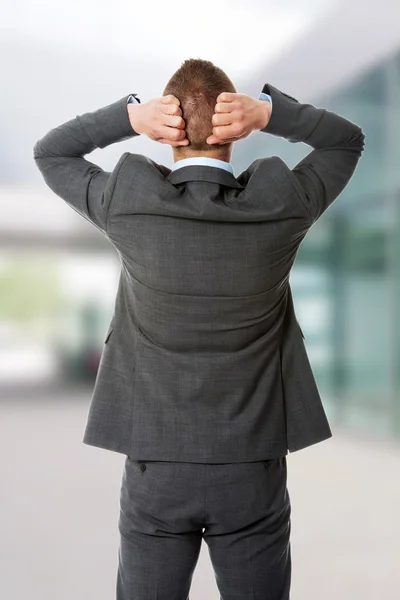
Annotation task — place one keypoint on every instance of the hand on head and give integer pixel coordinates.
(160, 120)
(235, 117)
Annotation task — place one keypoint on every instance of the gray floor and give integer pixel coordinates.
(345, 496)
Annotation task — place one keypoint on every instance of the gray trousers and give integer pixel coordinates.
(241, 510)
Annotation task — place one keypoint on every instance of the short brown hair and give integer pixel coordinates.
(197, 84)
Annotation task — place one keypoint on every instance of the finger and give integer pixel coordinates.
(222, 119)
(172, 133)
(223, 107)
(225, 132)
(174, 121)
(170, 99)
(215, 140)
(227, 97)
(172, 109)
(184, 142)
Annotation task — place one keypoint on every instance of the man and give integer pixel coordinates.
(204, 382)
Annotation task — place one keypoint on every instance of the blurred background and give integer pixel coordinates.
(59, 275)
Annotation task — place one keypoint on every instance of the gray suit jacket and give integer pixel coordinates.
(204, 359)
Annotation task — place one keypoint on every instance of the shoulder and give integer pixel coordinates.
(269, 167)
(146, 164)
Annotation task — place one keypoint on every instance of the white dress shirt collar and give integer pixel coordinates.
(203, 160)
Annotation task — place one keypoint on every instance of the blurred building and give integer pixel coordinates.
(346, 279)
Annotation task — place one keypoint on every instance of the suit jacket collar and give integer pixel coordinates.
(204, 173)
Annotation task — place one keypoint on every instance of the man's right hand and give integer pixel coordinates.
(236, 116)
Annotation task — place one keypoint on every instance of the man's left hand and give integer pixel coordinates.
(160, 119)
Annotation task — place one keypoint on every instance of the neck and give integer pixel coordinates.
(180, 154)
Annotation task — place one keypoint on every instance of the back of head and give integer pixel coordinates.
(197, 84)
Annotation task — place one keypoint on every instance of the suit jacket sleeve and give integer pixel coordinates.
(82, 184)
(322, 175)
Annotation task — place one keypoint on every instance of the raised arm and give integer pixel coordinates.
(322, 175)
(84, 185)
(338, 143)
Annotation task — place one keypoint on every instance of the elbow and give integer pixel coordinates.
(356, 141)
(360, 140)
(37, 150)
(363, 140)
